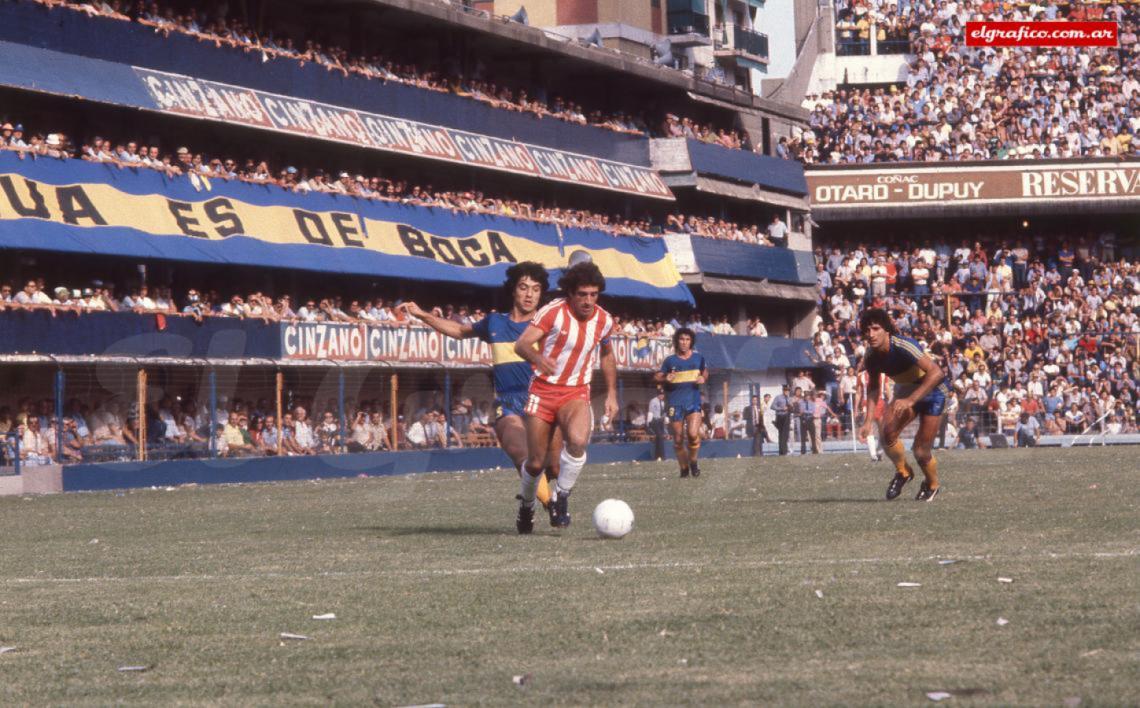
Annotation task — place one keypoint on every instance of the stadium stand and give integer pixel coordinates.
(131, 153)
(956, 102)
(1025, 330)
(210, 25)
(127, 342)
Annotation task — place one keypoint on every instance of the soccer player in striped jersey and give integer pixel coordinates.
(526, 284)
(563, 341)
(683, 372)
(880, 406)
(919, 392)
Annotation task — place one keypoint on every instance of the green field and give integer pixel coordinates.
(711, 600)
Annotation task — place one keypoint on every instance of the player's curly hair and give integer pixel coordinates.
(879, 316)
(681, 331)
(527, 269)
(586, 273)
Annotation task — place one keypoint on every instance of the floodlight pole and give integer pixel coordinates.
(447, 407)
(340, 404)
(140, 415)
(59, 383)
(213, 384)
(280, 386)
(393, 412)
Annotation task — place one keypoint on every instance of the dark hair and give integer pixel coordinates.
(583, 274)
(879, 316)
(681, 331)
(526, 269)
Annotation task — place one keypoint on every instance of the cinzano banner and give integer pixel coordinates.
(330, 341)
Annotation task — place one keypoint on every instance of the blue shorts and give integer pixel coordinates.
(680, 412)
(510, 404)
(933, 403)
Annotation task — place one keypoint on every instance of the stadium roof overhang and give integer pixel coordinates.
(750, 193)
(962, 189)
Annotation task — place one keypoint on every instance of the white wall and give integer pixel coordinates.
(777, 20)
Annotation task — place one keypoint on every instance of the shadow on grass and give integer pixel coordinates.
(827, 500)
(435, 530)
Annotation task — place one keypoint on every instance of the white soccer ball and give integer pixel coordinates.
(613, 518)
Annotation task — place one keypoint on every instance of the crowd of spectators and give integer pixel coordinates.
(1036, 338)
(982, 103)
(198, 166)
(102, 296)
(215, 27)
(110, 429)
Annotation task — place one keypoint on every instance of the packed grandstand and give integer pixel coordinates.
(119, 307)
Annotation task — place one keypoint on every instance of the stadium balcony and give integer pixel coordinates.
(69, 53)
(748, 176)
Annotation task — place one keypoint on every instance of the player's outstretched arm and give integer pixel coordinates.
(439, 324)
(609, 373)
(525, 348)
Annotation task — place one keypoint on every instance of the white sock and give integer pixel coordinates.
(568, 472)
(872, 446)
(528, 487)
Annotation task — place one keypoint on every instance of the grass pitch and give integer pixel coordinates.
(772, 582)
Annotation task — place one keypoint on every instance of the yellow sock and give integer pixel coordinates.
(693, 450)
(682, 454)
(930, 469)
(897, 452)
(543, 491)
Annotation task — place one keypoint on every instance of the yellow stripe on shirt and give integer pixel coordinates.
(504, 353)
(689, 376)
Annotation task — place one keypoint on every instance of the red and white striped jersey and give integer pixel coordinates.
(572, 344)
(884, 384)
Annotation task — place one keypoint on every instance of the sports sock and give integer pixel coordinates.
(930, 469)
(694, 449)
(542, 492)
(897, 452)
(568, 475)
(682, 453)
(528, 486)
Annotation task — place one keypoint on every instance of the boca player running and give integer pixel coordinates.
(683, 372)
(526, 284)
(919, 392)
(562, 343)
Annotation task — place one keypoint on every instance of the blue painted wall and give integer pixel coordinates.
(745, 260)
(125, 475)
(748, 167)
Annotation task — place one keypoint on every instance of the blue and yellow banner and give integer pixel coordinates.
(76, 206)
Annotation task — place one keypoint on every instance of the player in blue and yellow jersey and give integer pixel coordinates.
(526, 284)
(682, 373)
(919, 392)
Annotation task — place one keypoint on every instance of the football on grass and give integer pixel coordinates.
(613, 518)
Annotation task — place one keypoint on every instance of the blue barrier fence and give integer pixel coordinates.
(86, 477)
